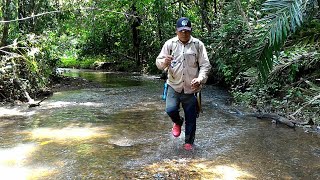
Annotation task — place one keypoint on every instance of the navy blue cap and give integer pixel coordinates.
(183, 24)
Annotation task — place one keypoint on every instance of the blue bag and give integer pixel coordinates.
(165, 90)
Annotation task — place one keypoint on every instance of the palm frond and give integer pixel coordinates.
(284, 18)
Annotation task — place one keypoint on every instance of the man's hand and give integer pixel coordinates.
(167, 60)
(195, 84)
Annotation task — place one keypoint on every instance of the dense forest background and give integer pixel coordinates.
(265, 52)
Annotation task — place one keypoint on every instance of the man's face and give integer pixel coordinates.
(184, 36)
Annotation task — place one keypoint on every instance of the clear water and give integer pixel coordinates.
(122, 132)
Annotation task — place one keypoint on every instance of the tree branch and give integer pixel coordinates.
(176, 2)
(52, 12)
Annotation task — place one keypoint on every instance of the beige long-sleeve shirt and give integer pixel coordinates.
(184, 66)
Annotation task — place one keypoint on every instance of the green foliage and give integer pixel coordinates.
(280, 36)
(283, 18)
(68, 62)
(292, 85)
(87, 62)
(226, 45)
(24, 67)
(309, 34)
(245, 98)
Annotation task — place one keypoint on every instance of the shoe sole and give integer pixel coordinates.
(175, 135)
(188, 149)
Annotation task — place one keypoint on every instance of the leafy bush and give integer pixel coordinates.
(226, 46)
(25, 69)
(68, 62)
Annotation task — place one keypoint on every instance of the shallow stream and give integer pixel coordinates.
(121, 131)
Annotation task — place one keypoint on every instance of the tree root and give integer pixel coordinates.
(38, 103)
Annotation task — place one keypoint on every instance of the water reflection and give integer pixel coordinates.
(124, 133)
(107, 79)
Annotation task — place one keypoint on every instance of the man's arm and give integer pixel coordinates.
(204, 64)
(162, 59)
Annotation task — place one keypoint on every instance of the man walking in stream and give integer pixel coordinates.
(186, 61)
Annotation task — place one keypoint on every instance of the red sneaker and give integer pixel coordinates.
(188, 147)
(176, 130)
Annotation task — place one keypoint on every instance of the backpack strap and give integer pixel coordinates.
(197, 46)
(171, 52)
(199, 110)
(173, 47)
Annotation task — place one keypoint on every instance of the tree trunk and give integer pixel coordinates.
(21, 14)
(243, 14)
(159, 29)
(203, 6)
(27, 8)
(135, 23)
(180, 9)
(6, 17)
(33, 20)
(159, 6)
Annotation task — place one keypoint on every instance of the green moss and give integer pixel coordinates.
(68, 62)
(83, 62)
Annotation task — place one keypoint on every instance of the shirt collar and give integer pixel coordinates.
(190, 40)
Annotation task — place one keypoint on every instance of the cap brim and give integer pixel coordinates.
(186, 28)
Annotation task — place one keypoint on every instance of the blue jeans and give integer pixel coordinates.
(188, 102)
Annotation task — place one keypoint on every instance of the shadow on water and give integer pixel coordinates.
(122, 132)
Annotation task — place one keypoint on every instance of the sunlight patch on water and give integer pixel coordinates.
(203, 169)
(15, 112)
(24, 173)
(59, 104)
(16, 155)
(13, 160)
(74, 133)
(222, 171)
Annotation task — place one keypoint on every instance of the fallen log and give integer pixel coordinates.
(290, 122)
(274, 117)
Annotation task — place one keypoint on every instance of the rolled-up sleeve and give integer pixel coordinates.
(160, 61)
